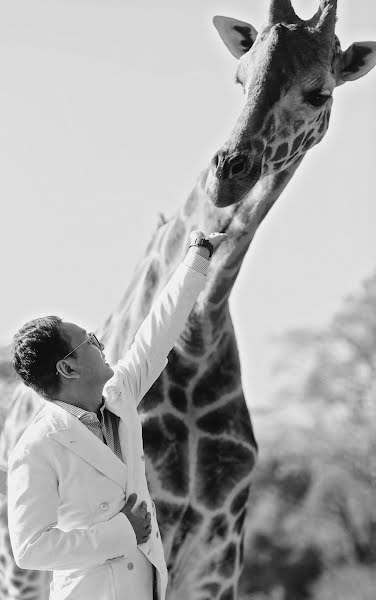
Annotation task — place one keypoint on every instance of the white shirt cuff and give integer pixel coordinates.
(197, 262)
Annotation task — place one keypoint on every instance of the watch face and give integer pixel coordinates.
(204, 242)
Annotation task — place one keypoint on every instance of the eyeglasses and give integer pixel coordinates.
(92, 339)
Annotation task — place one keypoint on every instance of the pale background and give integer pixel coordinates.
(109, 110)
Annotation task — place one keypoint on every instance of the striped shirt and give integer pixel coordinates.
(106, 428)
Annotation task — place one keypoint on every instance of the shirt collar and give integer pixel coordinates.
(77, 411)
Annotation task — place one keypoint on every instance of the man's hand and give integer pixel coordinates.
(214, 238)
(138, 518)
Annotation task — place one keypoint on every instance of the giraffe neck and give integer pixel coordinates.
(241, 224)
(170, 243)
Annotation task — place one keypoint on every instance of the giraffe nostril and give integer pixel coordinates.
(237, 166)
(230, 167)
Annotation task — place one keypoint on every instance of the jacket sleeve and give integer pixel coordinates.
(147, 357)
(32, 515)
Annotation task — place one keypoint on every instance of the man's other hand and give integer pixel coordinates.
(139, 518)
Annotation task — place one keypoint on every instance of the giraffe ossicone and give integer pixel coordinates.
(198, 438)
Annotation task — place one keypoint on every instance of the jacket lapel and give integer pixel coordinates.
(69, 431)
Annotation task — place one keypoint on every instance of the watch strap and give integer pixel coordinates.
(205, 243)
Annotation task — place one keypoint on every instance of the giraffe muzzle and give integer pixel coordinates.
(231, 177)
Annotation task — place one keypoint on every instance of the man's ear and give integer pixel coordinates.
(66, 370)
(238, 36)
(357, 60)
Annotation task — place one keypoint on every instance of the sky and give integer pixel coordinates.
(110, 110)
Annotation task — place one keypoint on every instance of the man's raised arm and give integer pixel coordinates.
(147, 357)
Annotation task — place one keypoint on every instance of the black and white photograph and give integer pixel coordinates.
(188, 300)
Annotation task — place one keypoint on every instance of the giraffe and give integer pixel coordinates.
(198, 436)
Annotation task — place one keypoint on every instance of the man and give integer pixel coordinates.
(78, 499)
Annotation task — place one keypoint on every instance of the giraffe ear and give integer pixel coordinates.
(238, 36)
(357, 60)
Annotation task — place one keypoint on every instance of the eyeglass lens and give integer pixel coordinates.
(94, 339)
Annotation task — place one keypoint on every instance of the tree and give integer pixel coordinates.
(311, 532)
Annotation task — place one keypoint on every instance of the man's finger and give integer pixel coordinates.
(216, 235)
(147, 518)
(217, 238)
(131, 501)
(143, 509)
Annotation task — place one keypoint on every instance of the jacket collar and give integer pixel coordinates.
(68, 430)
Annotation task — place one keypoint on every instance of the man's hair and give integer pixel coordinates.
(38, 345)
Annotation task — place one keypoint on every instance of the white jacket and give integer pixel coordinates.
(66, 488)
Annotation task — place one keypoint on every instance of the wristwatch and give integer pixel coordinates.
(204, 242)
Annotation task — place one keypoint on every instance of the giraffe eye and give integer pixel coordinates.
(316, 98)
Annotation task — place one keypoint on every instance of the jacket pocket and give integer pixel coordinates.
(83, 584)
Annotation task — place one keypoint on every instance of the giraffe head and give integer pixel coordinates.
(288, 71)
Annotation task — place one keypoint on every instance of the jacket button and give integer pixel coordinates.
(157, 534)
(142, 457)
(104, 506)
(130, 566)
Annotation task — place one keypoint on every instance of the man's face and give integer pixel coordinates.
(89, 361)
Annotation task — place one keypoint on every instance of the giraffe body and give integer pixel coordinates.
(197, 431)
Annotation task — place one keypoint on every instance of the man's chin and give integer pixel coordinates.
(108, 372)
